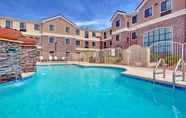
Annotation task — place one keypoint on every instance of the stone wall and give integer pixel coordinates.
(28, 59)
(9, 60)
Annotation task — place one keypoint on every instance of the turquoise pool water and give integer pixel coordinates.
(70, 91)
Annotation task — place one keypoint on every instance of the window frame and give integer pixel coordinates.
(118, 35)
(11, 23)
(94, 34)
(67, 29)
(94, 44)
(54, 27)
(136, 16)
(166, 40)
(151, 7)
(54, 40)
(166, 10)
(39, 27)
(79, 43)
(24, 29)
(77, 32)
(67, 41)
(86, 35)
(118, 21)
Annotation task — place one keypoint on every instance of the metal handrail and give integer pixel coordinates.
(182, 64)
(161, 61)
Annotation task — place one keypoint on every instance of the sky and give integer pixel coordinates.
(94, 14)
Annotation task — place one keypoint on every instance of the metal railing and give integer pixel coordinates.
(157, 67)
(180, 65)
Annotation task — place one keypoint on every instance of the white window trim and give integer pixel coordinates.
(152, 12)
(49, 40)
(166, 10)
(49, 27)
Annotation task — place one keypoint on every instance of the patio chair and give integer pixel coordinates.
(50, 58)
(41, 58)
(63, 58)
(55, 58)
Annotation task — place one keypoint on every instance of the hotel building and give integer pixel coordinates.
(153, 21)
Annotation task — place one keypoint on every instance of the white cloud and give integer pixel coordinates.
(97, 23)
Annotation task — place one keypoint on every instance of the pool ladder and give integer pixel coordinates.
(157, 67)
(180, 65)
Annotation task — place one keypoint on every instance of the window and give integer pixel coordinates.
(110, 43)
(93, 34)
(77, 43)
(51, 40)
(8, 24)
(51, 27)
(128, 24)
(105, 35)
(148, 12)
(67, 41)
(23, 27)
(36, 27)
(117, 37)
(94, 44)
(118, 23)
(86, 44)
(166, 5)
(67, 29)
(110, 32)
(163, 35)
(86, 34)
(77, 32)
(134, 19)
(105, 44)
(134, 35)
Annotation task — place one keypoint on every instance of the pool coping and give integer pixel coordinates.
(126, 68)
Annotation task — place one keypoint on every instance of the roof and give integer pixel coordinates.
(118, 12)
(20, 20)
(28, 41)
(58, 16)
(141, 4)
(12, 35)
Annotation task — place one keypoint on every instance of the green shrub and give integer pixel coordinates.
(172, 59)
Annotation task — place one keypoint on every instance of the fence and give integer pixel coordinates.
(170, 51)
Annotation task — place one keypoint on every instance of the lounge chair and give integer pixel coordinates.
(63, 58)
(41, 58)
(50, 58)
(55, 58)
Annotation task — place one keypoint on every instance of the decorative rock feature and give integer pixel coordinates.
(18, 54)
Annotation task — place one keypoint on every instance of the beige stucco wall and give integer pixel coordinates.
(136, 56)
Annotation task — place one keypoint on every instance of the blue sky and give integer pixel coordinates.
(94, 14)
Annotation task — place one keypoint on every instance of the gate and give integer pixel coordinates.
(170, 51)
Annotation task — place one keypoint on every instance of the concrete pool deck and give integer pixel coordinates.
(143, 73)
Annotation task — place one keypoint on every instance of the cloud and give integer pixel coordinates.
(95, 24)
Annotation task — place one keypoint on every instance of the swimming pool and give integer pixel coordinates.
(70, 91)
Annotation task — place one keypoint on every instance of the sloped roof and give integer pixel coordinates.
(59, 16)
(13, 35)
(118, 12)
